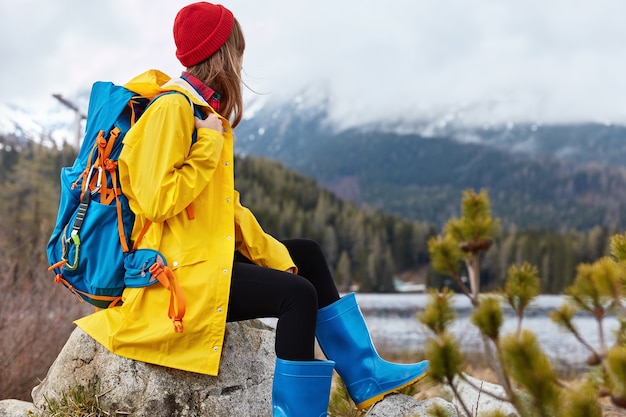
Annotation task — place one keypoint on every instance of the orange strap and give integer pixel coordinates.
(59, 264)
(146, 226)
(79, 294)
(141, 234)
(178, 305)
(97, 164)
(120, 222)
(190, 213)
(104, 150)
(115, 132)
(107, 194)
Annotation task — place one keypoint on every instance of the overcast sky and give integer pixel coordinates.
(543, 60)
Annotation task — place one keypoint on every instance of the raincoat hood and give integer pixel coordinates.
(154, 82)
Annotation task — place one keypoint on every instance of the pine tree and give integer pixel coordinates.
(343, 272)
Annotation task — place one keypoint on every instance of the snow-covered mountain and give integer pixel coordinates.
(52, 126)
(18, 126)
(285, 130)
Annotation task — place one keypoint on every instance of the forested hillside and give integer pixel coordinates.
(291, 205)
(363, 247)
(418, 178)
(366, 248)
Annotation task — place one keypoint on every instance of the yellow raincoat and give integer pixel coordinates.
(162, 173)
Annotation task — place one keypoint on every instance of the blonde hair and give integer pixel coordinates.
(222, 72)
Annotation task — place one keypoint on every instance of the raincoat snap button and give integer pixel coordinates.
(175, 263)
(215, 348)
(228, 200)
(225, 271)
(228, 237)
(219, 310)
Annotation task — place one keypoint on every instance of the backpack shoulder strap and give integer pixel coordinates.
(197, 110)
(197, 113)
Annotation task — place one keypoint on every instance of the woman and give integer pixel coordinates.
(177, 171)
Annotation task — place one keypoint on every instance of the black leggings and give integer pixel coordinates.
(257, 292)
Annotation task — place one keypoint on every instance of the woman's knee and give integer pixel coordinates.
(299, 248)
(303, 293)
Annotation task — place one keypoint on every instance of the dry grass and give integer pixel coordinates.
(37, 317)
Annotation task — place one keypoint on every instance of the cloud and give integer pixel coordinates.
(487, 60)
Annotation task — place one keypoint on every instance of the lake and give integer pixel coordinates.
(391, 319)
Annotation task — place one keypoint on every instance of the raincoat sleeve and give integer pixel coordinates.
(256, 245)
(166, 173)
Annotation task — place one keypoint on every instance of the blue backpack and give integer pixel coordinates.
(90, 249)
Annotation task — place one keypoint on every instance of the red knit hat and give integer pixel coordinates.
(200, 29)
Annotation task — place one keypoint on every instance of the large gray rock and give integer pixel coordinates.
(243, 387)
(475, 395)
(400, 405)
(15, 408)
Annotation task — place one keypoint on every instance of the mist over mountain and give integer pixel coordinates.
(279, 129)
(567, 176)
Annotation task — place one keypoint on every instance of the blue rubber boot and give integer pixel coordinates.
(301, 388)
(344, 338)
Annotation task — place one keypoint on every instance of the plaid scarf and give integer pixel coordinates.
(208, 94)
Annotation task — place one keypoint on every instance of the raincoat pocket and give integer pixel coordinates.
(137, 265)
(145, 267)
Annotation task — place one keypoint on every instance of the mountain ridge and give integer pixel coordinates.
(538, 176)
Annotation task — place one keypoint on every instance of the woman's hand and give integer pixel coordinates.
(211, 122)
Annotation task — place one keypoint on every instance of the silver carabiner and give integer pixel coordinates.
(98, 182)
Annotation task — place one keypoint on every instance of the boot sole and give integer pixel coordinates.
(371, 401)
